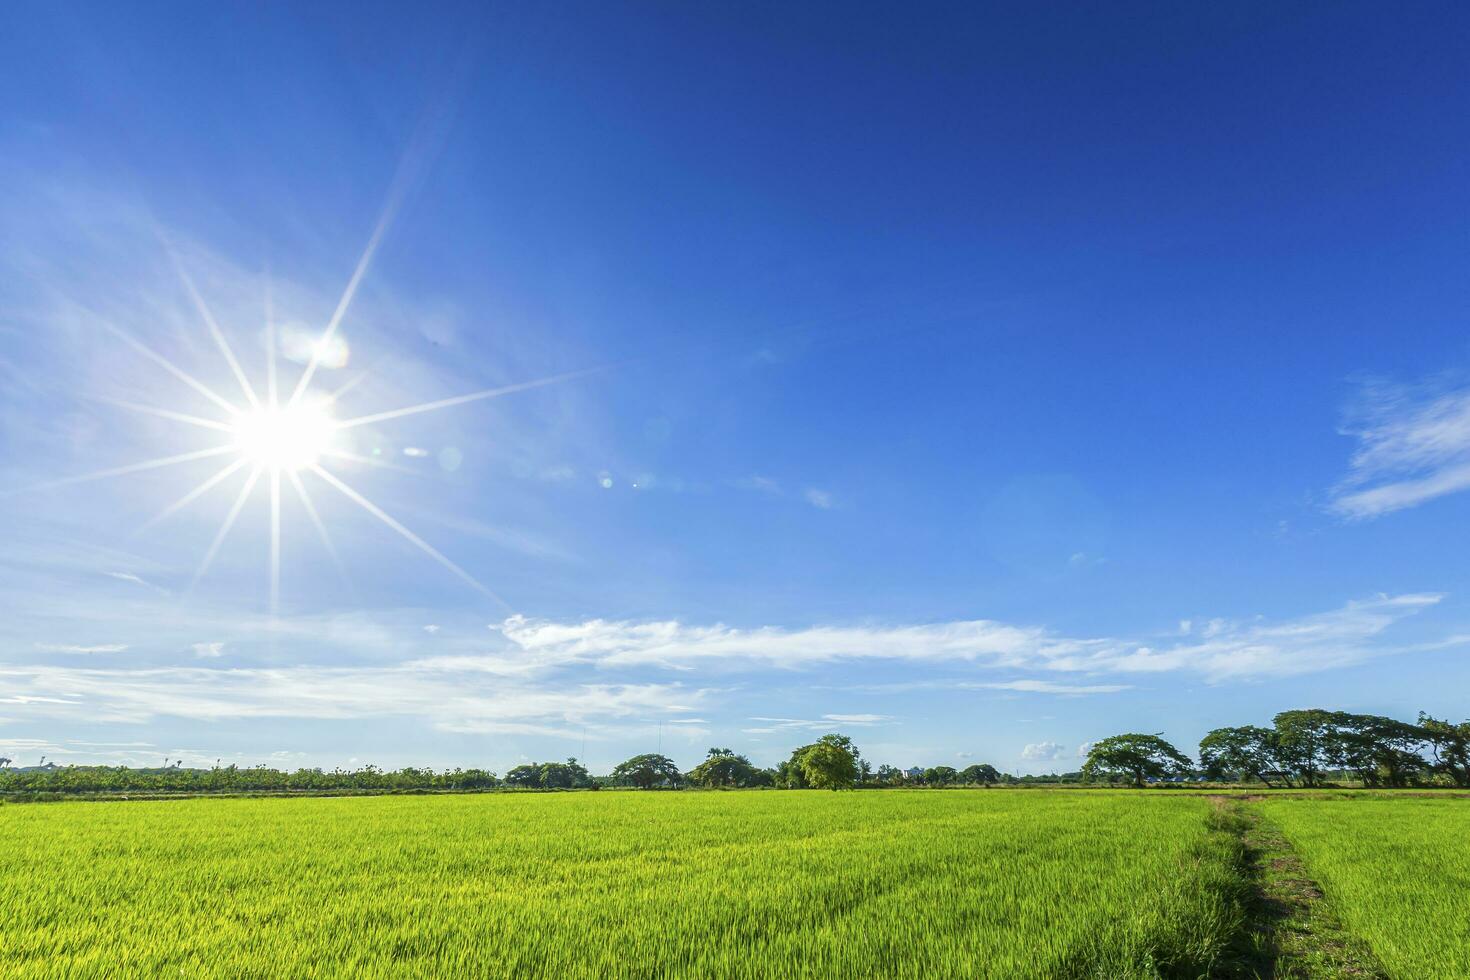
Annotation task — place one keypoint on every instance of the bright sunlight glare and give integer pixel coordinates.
(285, 437)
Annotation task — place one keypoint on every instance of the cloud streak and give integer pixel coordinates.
(450, 701)
(1225, 650)
(1411, 449)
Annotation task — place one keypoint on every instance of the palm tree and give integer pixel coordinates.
(5, 763)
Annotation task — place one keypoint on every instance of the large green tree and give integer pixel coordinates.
(1381, 751)
(1306, 744)
(527, 777)
(1248, 751)
(722, 767)
(1138, 757)
(982, 774)
(831, 762)
(648, 770)
(1449, 744)
(564, 775)
(940, 775)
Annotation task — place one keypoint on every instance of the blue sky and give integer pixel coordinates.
(976, 381)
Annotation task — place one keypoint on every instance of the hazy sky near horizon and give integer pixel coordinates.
(975, 380)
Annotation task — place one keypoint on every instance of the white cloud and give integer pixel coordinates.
(1043, 751)
(1412, 447)
(826, 723)
(669, 642)
(136, 580)
(432, 628)
(1310, 643)
(451, 701)
(764, 484)
(70, 648)
(209, 650)
(1047, 687)
(1224, 649)
(821, 499)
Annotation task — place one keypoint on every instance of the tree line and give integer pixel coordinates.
(1302, 748)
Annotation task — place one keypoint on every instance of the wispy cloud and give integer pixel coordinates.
(763, 484)
(137, 580)
(1223, 649)
(1413, 446)
(207, 651)
(450, 701)
(1048, 687)
(825, 723)
(72, 648)
(820, 499)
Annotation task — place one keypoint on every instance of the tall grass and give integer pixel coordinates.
(1397, 872)
(714, 884)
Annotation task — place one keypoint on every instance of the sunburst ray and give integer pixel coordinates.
(372, 461)
(214, 330)
(148, 464)
(165, 413)
(345, 301)
(224, 528)
(171, 368)
(316, 522)
(275, 571)
(408, 535)
(474, 396)
(270, 346)
(193, 495)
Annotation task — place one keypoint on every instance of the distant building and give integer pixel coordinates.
(913, 772)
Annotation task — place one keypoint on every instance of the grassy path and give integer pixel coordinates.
(1293, 932)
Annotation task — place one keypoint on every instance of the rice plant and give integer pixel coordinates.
(975, 883)
(1397, 872)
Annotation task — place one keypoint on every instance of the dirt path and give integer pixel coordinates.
(1293, 931)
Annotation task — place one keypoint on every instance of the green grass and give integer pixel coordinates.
(1395, 871)
(897, 883)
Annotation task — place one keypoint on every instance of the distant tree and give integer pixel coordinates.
(5, 763)
(1137, 756)
(722, 767)
(1381, 751)
(564, 775)
(983, 774)
(648, 770)
(789, 774)
(831, 762)
(526, 777)
(1306, 744)
(1449, 745)
(1248, 751)
(939, 775)
(763, 778)
(888, 775)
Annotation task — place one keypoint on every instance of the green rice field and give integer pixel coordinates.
(897, 883)
(1396, 871)
(586, 884)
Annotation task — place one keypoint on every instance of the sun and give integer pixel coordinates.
(285, 437)
(275, 440)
